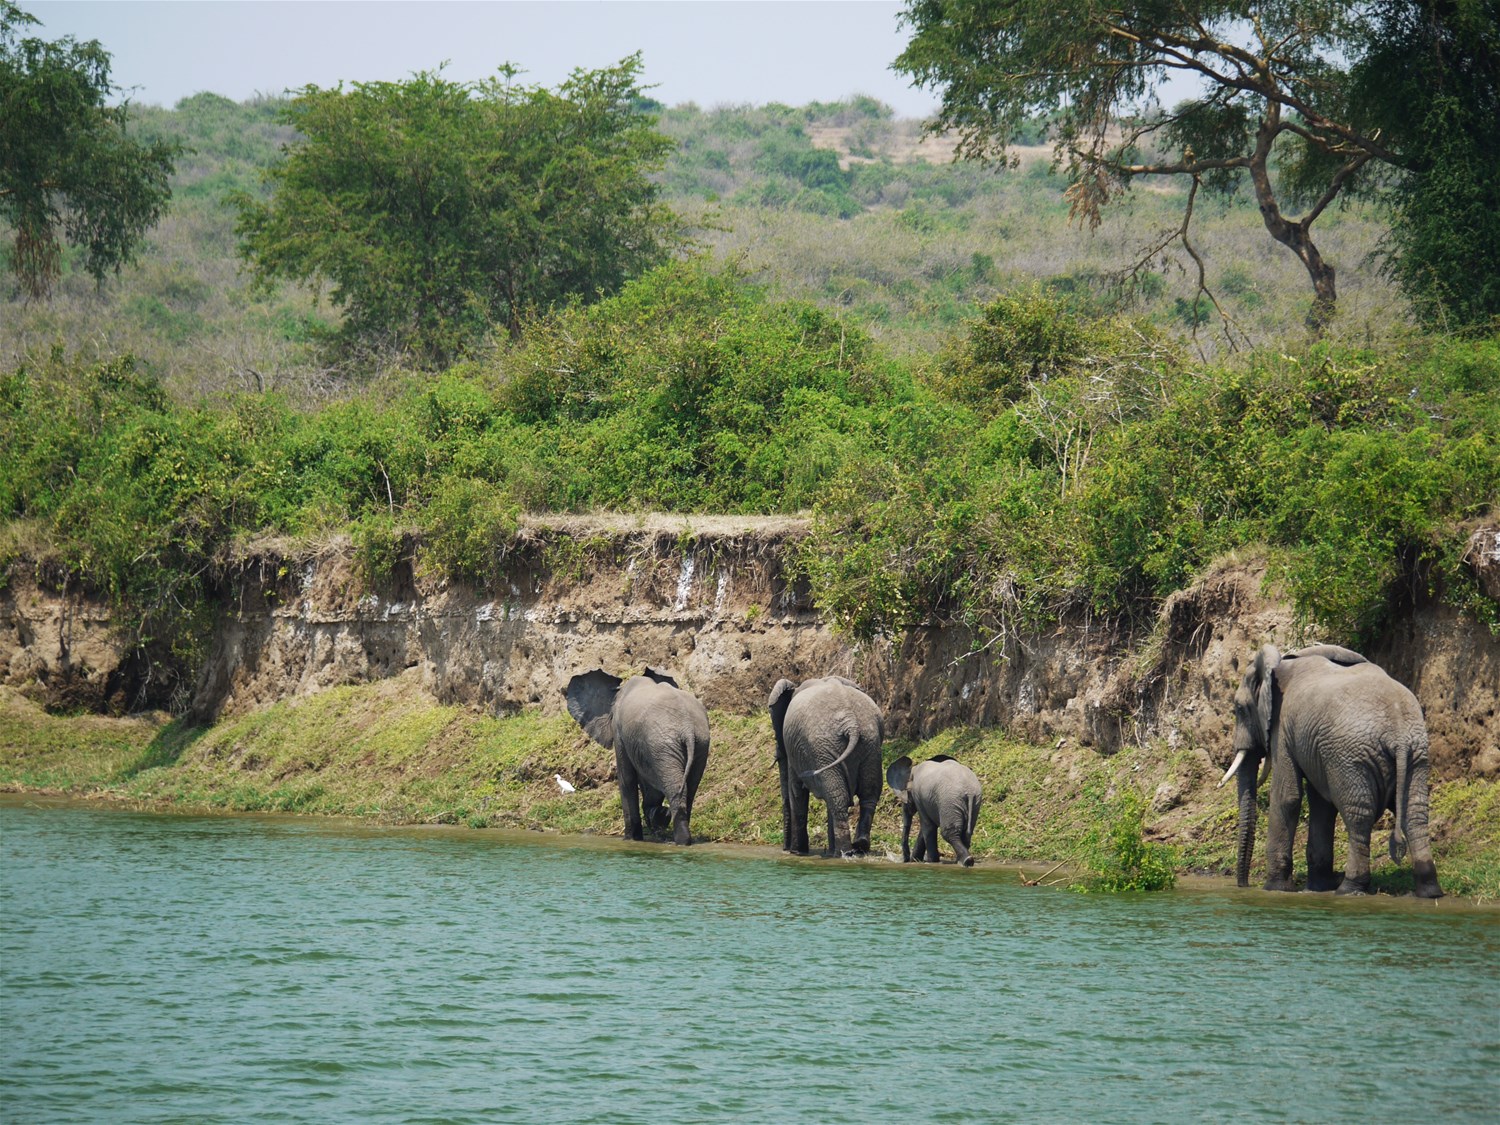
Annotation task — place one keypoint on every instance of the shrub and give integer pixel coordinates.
(1116, 856)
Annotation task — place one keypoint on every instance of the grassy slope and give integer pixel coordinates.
(385, 752)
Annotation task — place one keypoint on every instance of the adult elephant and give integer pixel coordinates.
(944, 794)
(659, 734)
(1326, 720)
(828, 737)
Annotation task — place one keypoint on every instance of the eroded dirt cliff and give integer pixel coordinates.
(709, 600)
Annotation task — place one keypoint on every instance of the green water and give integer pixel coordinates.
(166, 968)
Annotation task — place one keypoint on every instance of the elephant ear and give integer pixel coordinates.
(780, 699)
(591, 699)
(659, 677)
(898, 774)
(1267, 660)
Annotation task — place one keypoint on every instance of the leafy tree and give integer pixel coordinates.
(1434, 79)
(67, 160)
(1278, 104)
(438, 208)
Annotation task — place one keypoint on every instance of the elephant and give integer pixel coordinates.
(945, 794)
(828, 738)
(659, 734)
(1325, 719)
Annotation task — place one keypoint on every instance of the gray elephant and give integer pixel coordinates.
(659, 734)
(1325, 719)
(945, 794)
(828, 737)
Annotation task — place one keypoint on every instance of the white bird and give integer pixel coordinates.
(564, 785)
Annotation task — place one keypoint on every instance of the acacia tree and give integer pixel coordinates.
(436, 209)
(67, 160)
(1277, 106)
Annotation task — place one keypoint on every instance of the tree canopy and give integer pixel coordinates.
(1285, 97)
(437, 209)
(67, 160)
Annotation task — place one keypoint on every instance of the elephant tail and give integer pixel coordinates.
(1398, 829)
(971, 813)
(850, 745)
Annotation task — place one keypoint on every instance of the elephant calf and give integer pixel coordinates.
(946, 795)
(1328, 722)
(659, 734)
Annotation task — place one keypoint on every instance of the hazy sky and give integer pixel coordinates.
(706, 51)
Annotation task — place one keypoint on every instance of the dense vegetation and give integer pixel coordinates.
(1050, 461)
(988, 425)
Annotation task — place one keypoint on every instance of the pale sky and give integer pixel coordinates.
(712, 52)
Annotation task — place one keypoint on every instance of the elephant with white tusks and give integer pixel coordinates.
(828, 738)
(659, 734)
(1326, 720)
(944, 794)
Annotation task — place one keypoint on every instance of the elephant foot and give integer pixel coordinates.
(862, 847)
(1353, 887)
(1318, 884)
(1426, 880)
(1279, 883)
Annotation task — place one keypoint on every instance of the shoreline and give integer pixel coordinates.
(384, 756)
(1041, 876)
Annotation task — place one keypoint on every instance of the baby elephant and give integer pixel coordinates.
(945, 794)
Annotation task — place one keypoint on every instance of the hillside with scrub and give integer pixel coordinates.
(990, 417)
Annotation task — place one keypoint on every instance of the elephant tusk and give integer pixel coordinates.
(1265, 772)
(1234, 765)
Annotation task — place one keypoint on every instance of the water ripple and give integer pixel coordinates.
(249, 970)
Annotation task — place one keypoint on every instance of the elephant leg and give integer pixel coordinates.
(630, 795)
(960, 846)
(919, 853)
(839, 843)
(681, 834)
(1320, 818)
(906, 815)
(929, 840)
(865, 822)
(797, 812)
(1418, 842)
(653, 808)
(1286, 805)
(786, 805)
(1357, 866)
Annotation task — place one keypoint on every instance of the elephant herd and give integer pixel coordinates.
(1322, 720)
(828, 739)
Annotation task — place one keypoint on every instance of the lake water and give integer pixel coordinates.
(171, 968)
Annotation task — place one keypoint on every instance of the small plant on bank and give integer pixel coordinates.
(1116, 856)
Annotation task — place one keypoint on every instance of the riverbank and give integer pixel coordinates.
(386, 752)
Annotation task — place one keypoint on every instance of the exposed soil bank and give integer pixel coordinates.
(708, 599)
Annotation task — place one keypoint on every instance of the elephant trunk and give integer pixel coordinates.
(1246, 841)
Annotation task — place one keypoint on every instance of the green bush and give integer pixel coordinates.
(1116, 856)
